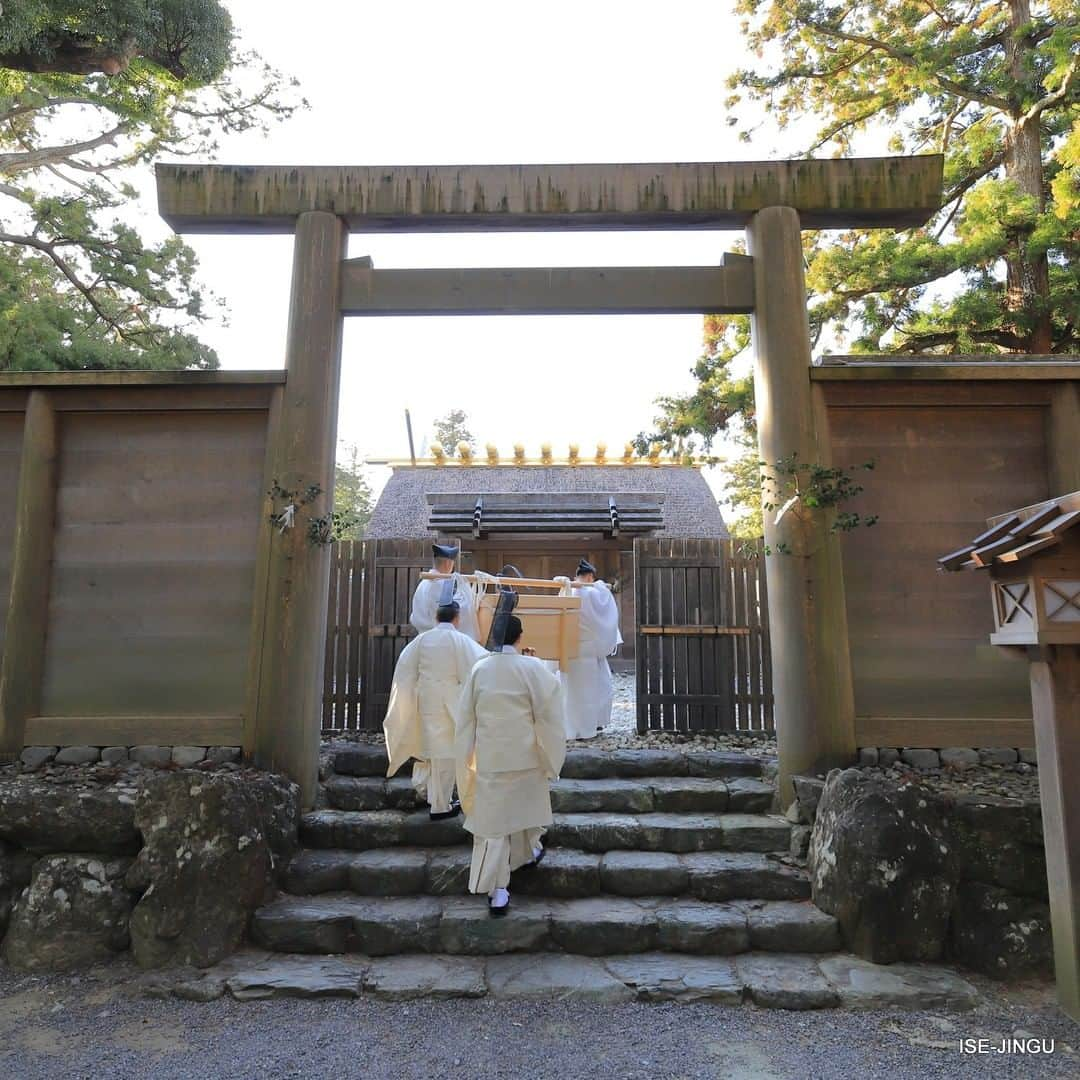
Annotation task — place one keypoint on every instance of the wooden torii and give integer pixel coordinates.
(772, 201)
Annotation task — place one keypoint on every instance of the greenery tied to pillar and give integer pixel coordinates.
(324, 529)
(801, 488)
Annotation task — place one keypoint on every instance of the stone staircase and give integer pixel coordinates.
(664, 869)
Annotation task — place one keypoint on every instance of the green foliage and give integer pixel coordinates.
(353, 499)
(452, 429)
(82, 287)
(801, 487)
(993, 86)
(190, 39)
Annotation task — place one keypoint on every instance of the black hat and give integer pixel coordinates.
(447, 612)
(443, 551)
(586, 567)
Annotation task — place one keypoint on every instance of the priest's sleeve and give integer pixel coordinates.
(465, 744)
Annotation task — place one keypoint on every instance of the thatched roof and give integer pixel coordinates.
(689, 506)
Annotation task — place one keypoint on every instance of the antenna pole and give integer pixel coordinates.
(408, 428)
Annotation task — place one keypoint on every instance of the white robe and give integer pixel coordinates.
(426, 602)
(588, 682)
(510, 744)
(428, 678)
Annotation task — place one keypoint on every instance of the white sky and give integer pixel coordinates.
(483, 82)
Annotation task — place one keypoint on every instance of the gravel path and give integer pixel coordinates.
(101, 1025)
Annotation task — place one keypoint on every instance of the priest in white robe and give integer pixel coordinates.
(589, 689)
(510, 746)
(419, 722)
(431, 592)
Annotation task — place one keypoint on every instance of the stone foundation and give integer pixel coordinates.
(168, 862)
(912, 872)
(34, 757)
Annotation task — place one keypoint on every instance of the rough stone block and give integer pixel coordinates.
(77, 755)
(689, 795)
(800, 841)
(601, 796)
(808, 791)
(356, 830)
(586, 765)
(33, 757)
(920, 758)
(868, 757)
(313, 872)
(45, 817)
(641, 763)
(755, 832)
(294, 925)
(998, 755)
(601, 926)
(114, 755)
(1027, 755)
(722, 764)
(959, 757)
(356, 793)
(223, 755)
(749, 796)
(404, 978)
(999, 933)
(383, 927)
(595, 832)
(888, 755)
(692, 926)
(862, 985)
(882, 863)
(361, 760)
(998, 841)
(790, 926)
(186, 756)
(547, 978)
(744, 875)
(468, 929)
(74, 913)
(151, 755)
(785, 982)
(663, 977)
(643, 873)
(299, 976)
(389, 872)
(448, 872)
(563, 873)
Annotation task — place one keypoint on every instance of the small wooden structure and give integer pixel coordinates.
(1033, 555)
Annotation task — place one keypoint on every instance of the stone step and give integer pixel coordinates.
(564, 873)
(587, 764)
(770, 980)
(673, 794)
(364, 830)
(600, 926)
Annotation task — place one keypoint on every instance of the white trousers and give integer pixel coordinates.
(494, 860)
(433, 781)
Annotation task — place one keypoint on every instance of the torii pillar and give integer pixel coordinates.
(812, 685)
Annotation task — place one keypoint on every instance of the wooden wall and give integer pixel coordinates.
(948, 454)
(11, 426)
(158, 505)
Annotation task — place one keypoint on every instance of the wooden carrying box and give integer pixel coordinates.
(550, 624)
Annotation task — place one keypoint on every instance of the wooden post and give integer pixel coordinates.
(814, 709)
(286, 690)
(28, 605)
(1063, 436)
(1055, 699)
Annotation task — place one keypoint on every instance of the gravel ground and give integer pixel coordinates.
(1012, 781)
(100, 1024)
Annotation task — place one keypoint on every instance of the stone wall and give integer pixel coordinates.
(918, 873)
(168, 862)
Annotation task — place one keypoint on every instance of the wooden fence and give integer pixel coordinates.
(702, 627)
(703, 660)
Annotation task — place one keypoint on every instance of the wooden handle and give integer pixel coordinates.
(523, 582)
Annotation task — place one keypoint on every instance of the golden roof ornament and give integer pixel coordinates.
(601, 453)
(654, 454)
(519, 454)
(574, 458)
(465, 452)
(492, 454)
(545, 453)
(438, 454)
(628, 454)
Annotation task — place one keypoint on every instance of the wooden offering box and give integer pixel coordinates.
(550, 624)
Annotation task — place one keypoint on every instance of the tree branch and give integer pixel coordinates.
(51, 155)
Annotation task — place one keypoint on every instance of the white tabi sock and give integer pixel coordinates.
(499, 897)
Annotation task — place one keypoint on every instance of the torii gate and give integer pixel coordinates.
(773, 201)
